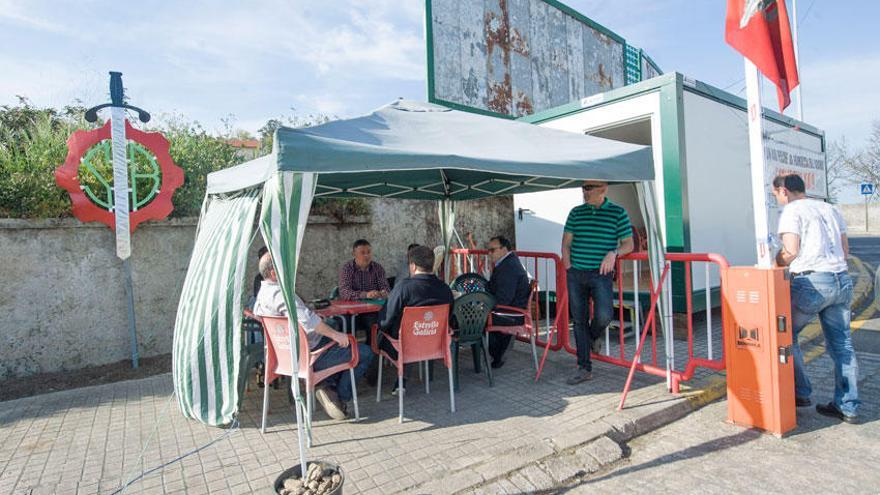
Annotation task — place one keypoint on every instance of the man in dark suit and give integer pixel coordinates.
(510, 286)
(421, 288)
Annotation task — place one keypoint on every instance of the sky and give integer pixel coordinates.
(246, 62)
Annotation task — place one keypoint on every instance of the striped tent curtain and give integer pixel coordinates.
(207, 329)
(446, 211)
(287, 198)
(657, 260)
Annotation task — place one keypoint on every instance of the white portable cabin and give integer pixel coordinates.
(699, 138)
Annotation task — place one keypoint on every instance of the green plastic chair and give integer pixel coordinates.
(334, 294)
(470, 313)
(467, 283)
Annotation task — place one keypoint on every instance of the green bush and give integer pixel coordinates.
(33, 143)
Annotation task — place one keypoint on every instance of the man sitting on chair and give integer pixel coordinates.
(335, 392)
(509, 284)
(421, 288)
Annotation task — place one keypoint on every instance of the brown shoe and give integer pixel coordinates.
(330, 402)
(581, 376)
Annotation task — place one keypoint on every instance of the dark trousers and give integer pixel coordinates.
(499, 342)
(385, 344)
(584, 286)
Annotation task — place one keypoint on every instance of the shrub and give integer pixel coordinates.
(33, 143)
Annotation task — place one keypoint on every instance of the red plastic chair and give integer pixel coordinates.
(528, 327)
(278, 363)
(424, 336)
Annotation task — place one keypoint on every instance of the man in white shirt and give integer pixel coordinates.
(337, 392)
(815, 247)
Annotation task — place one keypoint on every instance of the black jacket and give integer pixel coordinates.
(418, 290)
(510, 286)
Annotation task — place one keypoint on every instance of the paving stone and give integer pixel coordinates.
(95, 434)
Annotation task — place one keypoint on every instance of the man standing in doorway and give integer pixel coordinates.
(595, 234)
(815, 247)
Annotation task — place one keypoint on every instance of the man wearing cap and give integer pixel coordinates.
(595, 234)
(815, 247)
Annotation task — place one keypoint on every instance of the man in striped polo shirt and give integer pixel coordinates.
(596, 232)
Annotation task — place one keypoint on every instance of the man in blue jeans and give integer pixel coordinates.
(814, 247)
(595, 233)
(335, 392)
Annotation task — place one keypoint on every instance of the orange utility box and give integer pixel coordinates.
(757, 347)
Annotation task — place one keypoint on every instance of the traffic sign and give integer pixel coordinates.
(867, 188)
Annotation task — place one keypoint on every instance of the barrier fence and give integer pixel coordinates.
(637, 295)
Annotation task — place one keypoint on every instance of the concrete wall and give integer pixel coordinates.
(855, 217)
(62, 304)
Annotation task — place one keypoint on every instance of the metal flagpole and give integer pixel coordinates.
(797, 60)
(758, 166)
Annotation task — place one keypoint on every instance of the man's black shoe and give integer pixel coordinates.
(497, 363)
(832, 411)
(802, 402)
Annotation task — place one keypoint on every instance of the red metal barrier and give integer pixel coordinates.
(467, 258)
(561, 321)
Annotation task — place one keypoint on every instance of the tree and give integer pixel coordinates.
(867, 167)
(841, 161)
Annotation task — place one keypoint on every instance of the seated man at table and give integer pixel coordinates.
(334, 392)
(509, 284)
(421, 288)
(363, 278)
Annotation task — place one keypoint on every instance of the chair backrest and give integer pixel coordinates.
(471, 312)
(334, 294)
(467, 283)
(278, 348)
(424, 333)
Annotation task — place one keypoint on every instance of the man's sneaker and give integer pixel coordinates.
(832, 411)
(394, 390)
(331, 403)
(802, 402)
(581, 376)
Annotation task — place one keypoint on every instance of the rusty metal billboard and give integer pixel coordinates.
(517, 57)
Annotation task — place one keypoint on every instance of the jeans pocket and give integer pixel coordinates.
(806, 298)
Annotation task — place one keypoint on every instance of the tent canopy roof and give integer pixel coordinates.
(434, 153)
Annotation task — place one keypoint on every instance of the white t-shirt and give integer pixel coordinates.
(270, 302)
(820, 227)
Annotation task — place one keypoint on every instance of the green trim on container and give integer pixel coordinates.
(674, 185)
(586, 20)
(737, 102)
(429, 43)
(609, 97)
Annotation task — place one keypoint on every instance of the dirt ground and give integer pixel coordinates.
(16, 388)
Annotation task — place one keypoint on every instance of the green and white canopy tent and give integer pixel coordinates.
(407, 150)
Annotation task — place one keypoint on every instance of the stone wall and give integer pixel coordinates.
(62, 301)
(855, 217)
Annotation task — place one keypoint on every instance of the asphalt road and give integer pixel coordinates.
(867, 249)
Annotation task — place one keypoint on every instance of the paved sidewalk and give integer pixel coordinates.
(92, 440)
(89, 440)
